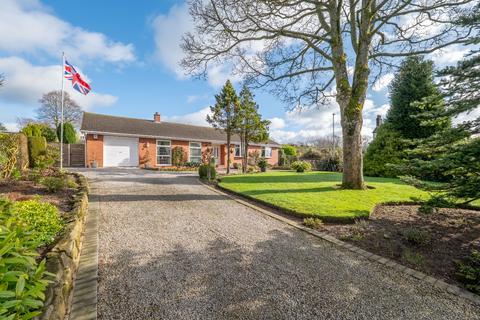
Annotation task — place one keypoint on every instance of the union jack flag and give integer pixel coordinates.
(78, 83)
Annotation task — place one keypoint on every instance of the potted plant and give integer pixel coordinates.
(262, 164)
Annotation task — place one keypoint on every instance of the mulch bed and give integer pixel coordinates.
(452, 234)
(26, 190)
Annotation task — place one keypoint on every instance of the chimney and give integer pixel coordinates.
(156, 117)
(379, 120)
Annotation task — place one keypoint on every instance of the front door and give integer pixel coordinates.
(216, 154)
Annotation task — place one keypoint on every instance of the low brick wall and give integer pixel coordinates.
(64, 258)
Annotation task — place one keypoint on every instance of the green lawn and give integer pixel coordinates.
(316, 193)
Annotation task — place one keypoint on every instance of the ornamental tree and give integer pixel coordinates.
(251, 127)
(309, 51)
(224, 115)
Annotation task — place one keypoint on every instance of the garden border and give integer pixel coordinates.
(63, 259)
(429, 280)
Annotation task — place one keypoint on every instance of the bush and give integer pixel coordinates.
(468, 272)
(289, 150)
(192, 164)
(205, 169)
(387, 149)
(313, 223)
(252, 169)
(262, 164)
(9, 151)
(301, 166)
(53, 184)
(23, 282)
(237, 165)
(41, 219)
(69, 133)
(32, 130)
(178, 156)
(312, 154)
(417, 236)
(37, 147)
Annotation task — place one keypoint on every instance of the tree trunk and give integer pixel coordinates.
(245, 156)
(352, 152)
(228, 153)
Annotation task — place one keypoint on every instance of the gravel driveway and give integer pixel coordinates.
(169, 248)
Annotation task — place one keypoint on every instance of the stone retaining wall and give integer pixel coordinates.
(64, 258)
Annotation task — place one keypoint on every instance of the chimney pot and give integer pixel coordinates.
(156, 117)
(379, 120)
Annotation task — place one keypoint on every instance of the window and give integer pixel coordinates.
(164, 153)
(196, 152)
(238, 151)
(266, 152)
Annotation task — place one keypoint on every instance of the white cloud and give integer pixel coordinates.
(277, 123)
(168, 31)
(195, 118)
(27, 26)
(11, 126)
(26, 83)
(449, 55)
(383, 82)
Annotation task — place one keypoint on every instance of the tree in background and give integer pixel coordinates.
(69, 133)
(287, 155)
(50, 110)
(250, 127)
(302, 50)
(3, 128)
(413, 97)
(224, 115)
(455, 152)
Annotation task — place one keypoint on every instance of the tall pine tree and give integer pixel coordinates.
(251, 127)
(224, 115)
(455, 152)
(413, 98)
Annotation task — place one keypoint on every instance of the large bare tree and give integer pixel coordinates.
(50, 111)
(311, 51)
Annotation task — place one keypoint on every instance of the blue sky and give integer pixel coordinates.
(129, 52)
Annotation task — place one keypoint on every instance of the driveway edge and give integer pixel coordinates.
(437, 283)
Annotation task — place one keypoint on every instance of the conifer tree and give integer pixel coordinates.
(224, 115)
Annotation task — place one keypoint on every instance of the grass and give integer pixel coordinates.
(317, 194)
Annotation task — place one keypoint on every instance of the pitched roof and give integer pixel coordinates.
(100, 123)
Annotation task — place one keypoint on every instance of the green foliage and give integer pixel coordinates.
(413, 258)
(9, 151)
(207, 171)
(69, 133)
(53, 184)
(49, 133)
(47, 159)
(224, 114)
(301, 166)
(237, 166)
(41, 219)
(189, 164)
(262, 163)
(32, 130)
(3, 128)
(313, 223)
(178, 156)
(387, 149)
(468, 272)
(412, 83)
(37, 147)
(289, 150)
(417, 236)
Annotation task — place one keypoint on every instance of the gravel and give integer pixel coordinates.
(169, 248)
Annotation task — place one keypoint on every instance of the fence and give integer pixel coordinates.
(73, 154)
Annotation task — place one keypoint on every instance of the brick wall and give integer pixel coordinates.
(94, 150)
(147, 152)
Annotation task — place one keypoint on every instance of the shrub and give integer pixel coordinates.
(262, 164)
(468, 272)
(9, 151)
(178, 156)
(69, 133)
(32, 130)
(301, 166)
(192, 164)
(207, 171)
(312, 154)
(37, 147)
(23, 282)
(237, 165)
(252, 169)
(53, 184)
(41, 219)
(313, 223)
(417, 236)
(289, 150)
(414, 258)
(48, 133)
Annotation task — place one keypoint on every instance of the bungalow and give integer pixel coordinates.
(112, 141)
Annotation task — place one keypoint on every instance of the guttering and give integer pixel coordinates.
(171, 138)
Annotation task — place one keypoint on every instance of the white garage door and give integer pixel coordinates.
(120, 151)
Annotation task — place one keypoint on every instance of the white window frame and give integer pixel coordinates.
(264, 152)
(190, 151)
(169, 156)
(239, 146)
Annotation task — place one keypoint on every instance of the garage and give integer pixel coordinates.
(120, 151)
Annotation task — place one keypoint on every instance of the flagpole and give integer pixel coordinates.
(61, 119)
